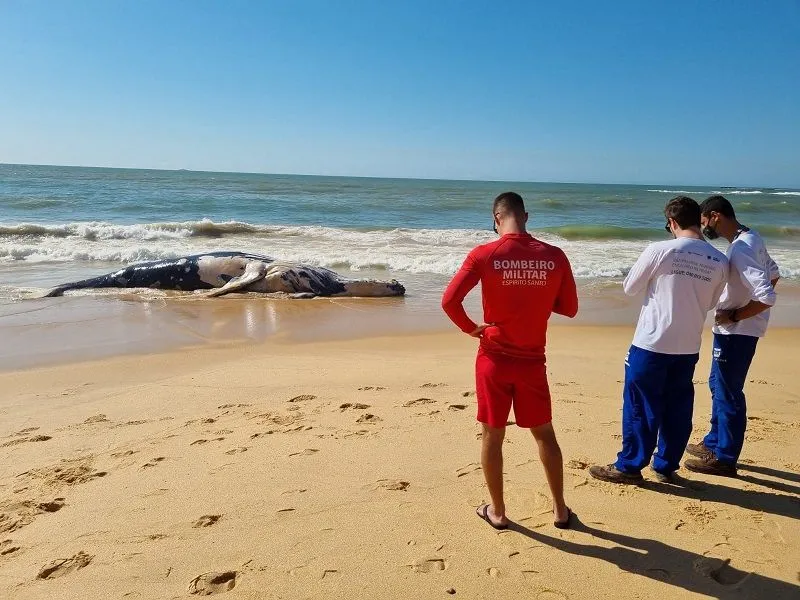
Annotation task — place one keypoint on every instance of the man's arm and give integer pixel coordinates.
(642, 270)
(754, 277)
(567, 300)
(774, 271)
(721, 287)
(452, 300)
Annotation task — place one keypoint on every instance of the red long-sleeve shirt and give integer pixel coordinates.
(523, 280)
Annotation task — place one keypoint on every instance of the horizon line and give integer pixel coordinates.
(178, 170)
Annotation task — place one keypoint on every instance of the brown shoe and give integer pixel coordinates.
(699, 450)
(711, 466)
(612, 475)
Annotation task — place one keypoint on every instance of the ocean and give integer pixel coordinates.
(59, 224)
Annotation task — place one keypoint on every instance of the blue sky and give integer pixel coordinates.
(693, 92)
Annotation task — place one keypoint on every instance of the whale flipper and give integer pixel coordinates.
(255, 271)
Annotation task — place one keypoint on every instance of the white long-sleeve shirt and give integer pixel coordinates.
(751, 272)
(683, 279)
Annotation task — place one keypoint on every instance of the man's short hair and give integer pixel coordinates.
(684, 210)
(718, 204)
(509, 202)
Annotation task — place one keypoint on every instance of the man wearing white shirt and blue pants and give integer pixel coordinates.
(683, 279)
(742, 317)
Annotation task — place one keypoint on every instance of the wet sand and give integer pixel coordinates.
(105, 323)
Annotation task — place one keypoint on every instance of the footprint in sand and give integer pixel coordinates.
(237, 450)
(467, 469)
(208, 584)
(395, 485)
(430, 565)
(8, 548)
(433, 385)
(353, 406)
(64, 566)
(35, 438)
(26, 430)
(368, 388)
(306, 452)
(65, 472)
(101, 418)
(153, 462)
(303, 398)
(577, 464)
(125, 453)
(720, 570)
(368, 418)
(467, 394)
(456, 406)
(52, 506)
(21, 514)
(206, 521)
(357, 433)
(770, 529)
(418, 402)
(204, 441)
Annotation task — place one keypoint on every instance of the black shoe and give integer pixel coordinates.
(699, 450)
(611, 474)
(711, 466)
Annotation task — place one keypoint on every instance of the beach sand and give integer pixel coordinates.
(349, 469)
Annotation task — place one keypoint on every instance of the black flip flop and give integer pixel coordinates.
(565, 523)
(483, 513)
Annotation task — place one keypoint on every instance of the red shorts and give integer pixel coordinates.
(505, 380)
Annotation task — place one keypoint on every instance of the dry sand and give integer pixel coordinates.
(348, 469)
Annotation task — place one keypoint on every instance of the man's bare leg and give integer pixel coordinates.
(550, 455)
(492, 463)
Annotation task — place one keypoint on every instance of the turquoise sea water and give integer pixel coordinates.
(75, 221)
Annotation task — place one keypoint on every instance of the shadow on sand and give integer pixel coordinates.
(767, 502)
(714, 577)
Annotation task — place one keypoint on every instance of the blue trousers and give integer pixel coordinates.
(658, 398)
(730, 361)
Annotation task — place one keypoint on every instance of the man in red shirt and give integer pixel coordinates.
(523, 280)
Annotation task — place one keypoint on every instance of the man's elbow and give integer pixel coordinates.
(768, 299)
(450, 306)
